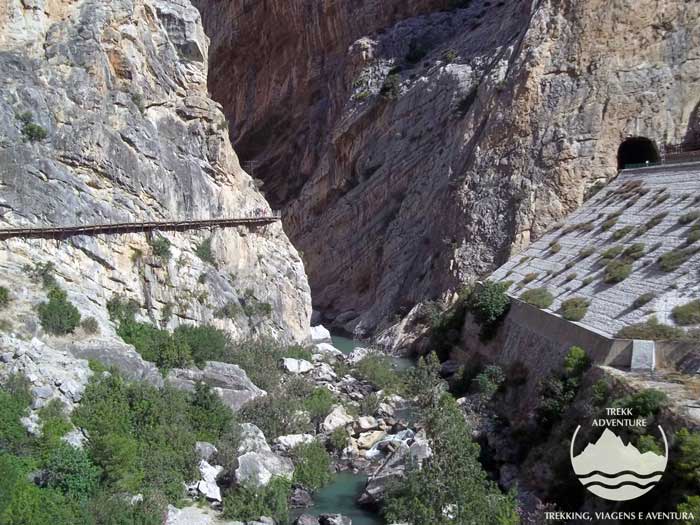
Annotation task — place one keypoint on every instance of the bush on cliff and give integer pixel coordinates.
(539, 297)
(489, 305)
(687, 314)
(312, 466)
(574, 309)
(58, 316)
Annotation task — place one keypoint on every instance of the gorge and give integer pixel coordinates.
(436, 164)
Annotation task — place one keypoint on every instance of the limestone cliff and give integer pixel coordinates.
(119, 89)
(413, 148)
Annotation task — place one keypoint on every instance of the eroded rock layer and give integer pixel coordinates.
(414, 146)
(119, 89)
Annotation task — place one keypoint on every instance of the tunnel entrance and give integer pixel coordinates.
(637, 151)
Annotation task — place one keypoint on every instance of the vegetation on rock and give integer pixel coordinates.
(539, 297)
(58, 316)
(574, 309)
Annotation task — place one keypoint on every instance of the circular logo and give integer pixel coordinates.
(616, 471)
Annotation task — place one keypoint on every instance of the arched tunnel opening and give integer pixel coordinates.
(637, 151)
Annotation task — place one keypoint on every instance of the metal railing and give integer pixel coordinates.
(60, 232)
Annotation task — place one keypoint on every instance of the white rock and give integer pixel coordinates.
(358, 354)
(366, 423)
(292, 440)
(337, 418)
(324, 372)
(208, 486)
(319, 334)
(368, 439)
(296, 366)
(328, 349)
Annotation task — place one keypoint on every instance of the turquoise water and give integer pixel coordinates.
(339, 498)
(345, 344)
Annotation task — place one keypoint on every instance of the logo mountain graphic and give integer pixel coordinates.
(616, 471)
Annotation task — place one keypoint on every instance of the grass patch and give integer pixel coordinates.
(58, 316)
(539, 297)
(204, 252)
(617, 271)
(674, 259)
(586, 251)
(687, 314)
(655, 331)
(574, 309)
(612, 252)
(554, 247)
(622, 232)
(530, 277)
(689, 217)
(634, 251)
(643, 299)
(4, 297)
(160, 247)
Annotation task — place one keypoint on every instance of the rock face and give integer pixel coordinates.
(257, 464)
(229, 381)
(120, 89)
(500, 118)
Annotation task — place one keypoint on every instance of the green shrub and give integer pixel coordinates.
(489, 381)
(42, 273)
(249, 503)
(687, 457)
(652, 330)
(693, 235)
(489, 304)
(530, 277)
(689, 217)
(312, 466)
(205, 253)
(15, 398)
(576, 362)
(646, 403)
(554, 247)
(230, 310)
(121, 309)
(691, 506)
(392, 86)
(32, 132)
(587, 281)
(570, 277)
(600, 392)
(473, 497)
(671, 261)
(647, 443)
(634, 251)
(277, 413)
(319, 403)
(160, 247)
(155, 345)
(376, 369)
(70, 471)
(209, 417)
(90, 326)
(58, 316)
(586, 251)
(653, 222)
(622, 232)
(612, 252)
(4, 297)
(206, 342)
(687, 314)
(610, 221)
(643, 299)
(539, 297)
(574, 309)
(617, 271)
(338, 439)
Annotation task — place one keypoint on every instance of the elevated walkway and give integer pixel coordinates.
(62, 232)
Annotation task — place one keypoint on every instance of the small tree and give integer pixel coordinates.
(58, 316)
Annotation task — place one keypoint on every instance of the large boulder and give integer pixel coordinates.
(257, 464)
(394, 467)
(195, 516)
(207, 486)
(296, 366)
(367, 440)
(320, 334)
(358, 354)
(229, 381)
(119, 355)
(328, 351)
(290, 441)
(324, 373)
(336, 419)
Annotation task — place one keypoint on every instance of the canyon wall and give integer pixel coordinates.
(414, 145)
(105, 118)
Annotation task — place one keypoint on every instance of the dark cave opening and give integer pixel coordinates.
(636, 151)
